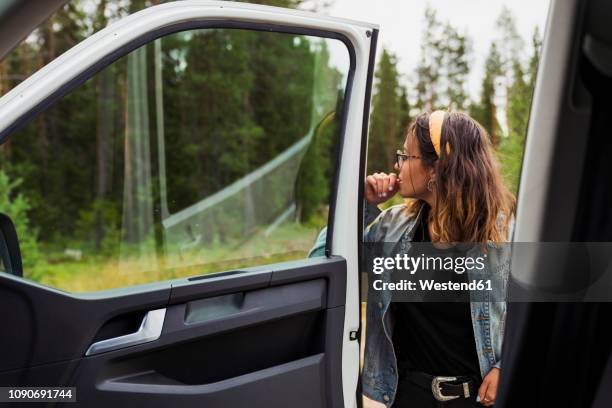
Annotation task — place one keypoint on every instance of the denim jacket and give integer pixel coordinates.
(379, 375)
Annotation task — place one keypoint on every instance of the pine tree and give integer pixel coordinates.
(510, 45)
(443, 68)
(485, 111)
(405, 119)
(456, 53)
(432, 56)
(532, 70)
(519, 101)
(386, 117)
(520, 94)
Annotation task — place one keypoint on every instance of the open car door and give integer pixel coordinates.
(272, 327)
(557, 348)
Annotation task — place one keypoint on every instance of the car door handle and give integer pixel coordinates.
(150, 329)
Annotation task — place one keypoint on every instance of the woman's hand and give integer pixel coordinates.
(370, 403)
(488, 389)
(380, 187)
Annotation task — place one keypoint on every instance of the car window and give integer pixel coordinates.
(203, 151)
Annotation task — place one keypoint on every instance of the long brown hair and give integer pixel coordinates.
(472, 204)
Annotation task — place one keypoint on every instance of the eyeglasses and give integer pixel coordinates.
(401, 157)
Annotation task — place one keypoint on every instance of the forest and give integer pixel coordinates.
(214, 149)
(440, 81)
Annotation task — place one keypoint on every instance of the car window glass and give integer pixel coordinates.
(203, 151)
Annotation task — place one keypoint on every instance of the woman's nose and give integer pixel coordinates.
(396, 167)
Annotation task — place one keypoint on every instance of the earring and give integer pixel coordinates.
(431, 184)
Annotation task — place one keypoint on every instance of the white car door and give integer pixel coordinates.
(203, 340)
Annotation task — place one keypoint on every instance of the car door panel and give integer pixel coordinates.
(224, 349)
(222, 342)
(297, 384)
(58, 326)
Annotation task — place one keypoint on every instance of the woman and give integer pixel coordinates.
(454, 194)
(457, 196)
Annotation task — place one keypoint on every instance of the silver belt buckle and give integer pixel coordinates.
(436, 389)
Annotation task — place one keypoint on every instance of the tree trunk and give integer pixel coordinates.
(493, 121)
(104, 143)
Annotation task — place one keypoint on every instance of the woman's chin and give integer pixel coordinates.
(405, 195)
(409, 196)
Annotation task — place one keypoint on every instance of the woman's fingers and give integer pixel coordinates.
(371, 191)
(482, 391)
(385, 185)
(380, 180)
(383, 181)
(371, 183)
(491, 393)
(488, 389)
(380, 187)
(370, 403)
(392, 182)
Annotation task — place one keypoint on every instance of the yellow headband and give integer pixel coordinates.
(435, 130)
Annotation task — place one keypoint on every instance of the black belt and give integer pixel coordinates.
(444, 388)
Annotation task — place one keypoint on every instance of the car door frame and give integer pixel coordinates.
(551, 210)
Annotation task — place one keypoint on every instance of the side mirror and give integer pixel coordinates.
(10, 255)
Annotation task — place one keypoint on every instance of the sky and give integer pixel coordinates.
(401, 25)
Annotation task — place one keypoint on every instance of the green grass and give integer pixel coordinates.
(510, 156)
(289, 241)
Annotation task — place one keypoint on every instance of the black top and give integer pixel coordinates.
(435, 337)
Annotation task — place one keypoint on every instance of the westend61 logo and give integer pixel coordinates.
(412, 264)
